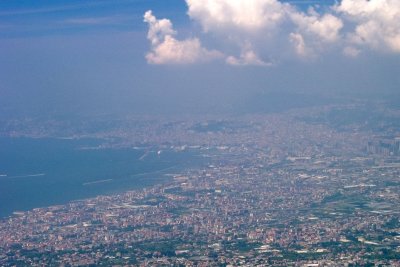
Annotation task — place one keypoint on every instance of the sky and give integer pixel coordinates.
(194, 56)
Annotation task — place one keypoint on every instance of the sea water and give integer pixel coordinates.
(47, 171)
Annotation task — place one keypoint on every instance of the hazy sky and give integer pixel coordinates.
(68, 57)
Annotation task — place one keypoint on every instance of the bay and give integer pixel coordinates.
(46, 171)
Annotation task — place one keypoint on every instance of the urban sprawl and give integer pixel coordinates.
(309, 187)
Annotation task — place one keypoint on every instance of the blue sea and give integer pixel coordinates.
(44, 172)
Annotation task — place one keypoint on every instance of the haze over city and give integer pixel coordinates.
(82, 57)
(200, 133)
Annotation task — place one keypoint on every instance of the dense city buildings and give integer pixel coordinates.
(309, 187)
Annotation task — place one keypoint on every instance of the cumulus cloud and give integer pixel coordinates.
(252, 30)
(168, 50)
(298, 42)
(376, 23)
(270, 19)
(246, 15)
(247, 57)
(314, 32)
(158, 29)
(326, 28)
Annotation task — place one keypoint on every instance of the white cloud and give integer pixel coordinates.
(268, 20)
(168, 50)
(313, 32)
(298, 42)
(247, 57)
(250, 25)
(246, 15)
(376, 23)
(158, 29)
(326, 28)
(172, 51)
(255, 29)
